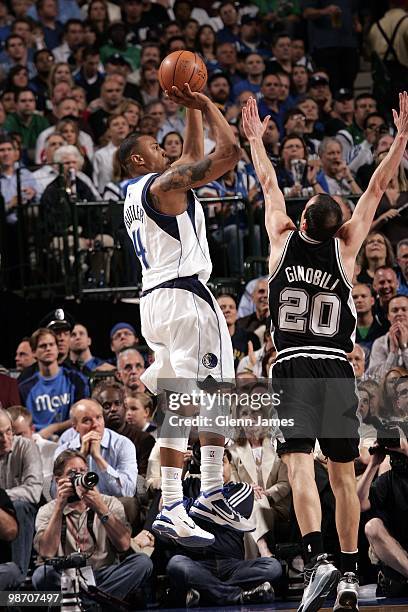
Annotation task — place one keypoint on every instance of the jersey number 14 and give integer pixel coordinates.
(322, 318)
(139, 248)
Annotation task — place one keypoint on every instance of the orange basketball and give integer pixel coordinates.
(183, 67)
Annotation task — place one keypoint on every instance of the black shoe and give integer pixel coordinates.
(261, 594)
(347, 594)
(319, 579)
(192, 598)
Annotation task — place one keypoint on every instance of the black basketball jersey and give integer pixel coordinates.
(310, 297)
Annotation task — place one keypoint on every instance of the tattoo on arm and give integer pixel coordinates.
(185, 175)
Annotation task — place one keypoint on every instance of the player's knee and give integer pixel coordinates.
(374, 529)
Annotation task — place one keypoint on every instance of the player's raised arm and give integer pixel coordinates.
(254, 129)
(181, 178)
(354, 231)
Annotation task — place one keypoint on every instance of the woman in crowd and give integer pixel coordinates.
(314, 129)
(205, 43)
(190, 31)
(254, 461)
(69, 129)
(390, 220)
(299, 82)
(172, 143)
(17, 78)
(98, 16)
(118, 130)
(387, 399)
(294, 177)
(375, 252)
(133, 112)
(60, 72)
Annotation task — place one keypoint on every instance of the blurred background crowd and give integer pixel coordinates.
(75, 79)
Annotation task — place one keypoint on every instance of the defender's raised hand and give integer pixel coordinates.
(251, 123)
(401, 119)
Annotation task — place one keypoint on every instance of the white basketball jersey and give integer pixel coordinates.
(167, 246)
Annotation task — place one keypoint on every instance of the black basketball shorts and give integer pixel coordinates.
(317, 400)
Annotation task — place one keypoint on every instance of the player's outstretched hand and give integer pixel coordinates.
(253, 126)
(401, 120)
(186, 97)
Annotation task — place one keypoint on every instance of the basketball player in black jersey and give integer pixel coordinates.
(314, 324)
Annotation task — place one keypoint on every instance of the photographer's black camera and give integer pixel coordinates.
(388, 435)
(87, 481)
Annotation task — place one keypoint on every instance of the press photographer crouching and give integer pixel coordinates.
(386, 498)
(82, 520)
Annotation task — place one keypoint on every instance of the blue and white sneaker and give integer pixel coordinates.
(215, 507)
(173, 522)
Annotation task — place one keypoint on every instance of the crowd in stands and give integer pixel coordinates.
(75, 79)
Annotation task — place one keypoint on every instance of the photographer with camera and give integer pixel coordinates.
(81, 520)
(386, 498)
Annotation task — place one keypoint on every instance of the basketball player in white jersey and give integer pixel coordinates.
(181, 321)
(314, 326)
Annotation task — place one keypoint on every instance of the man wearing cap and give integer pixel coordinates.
(122, 335)
(250, 40)
(374, 127)
(319, 90)
(49, 393)
(342, 114)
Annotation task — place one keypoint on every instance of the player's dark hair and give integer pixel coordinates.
(129, 146)
(323, 217)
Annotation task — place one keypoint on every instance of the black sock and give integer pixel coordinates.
(349, 562)
(312, 545)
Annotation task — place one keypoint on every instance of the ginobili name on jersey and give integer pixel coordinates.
(311, 276)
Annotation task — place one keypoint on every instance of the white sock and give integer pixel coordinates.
(172, 490)
(211, 468)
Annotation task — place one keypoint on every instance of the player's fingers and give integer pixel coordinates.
(266, 121)
(187, 90)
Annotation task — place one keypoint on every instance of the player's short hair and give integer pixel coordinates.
(129, 146)
(323, 217)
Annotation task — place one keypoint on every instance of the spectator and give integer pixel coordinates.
(118, 129)
(335, 176)
(357, 358)
(320, 92)
(79, 350)
(112, 399)
(61, 323)
(309, 107)
(49, 393)
(376, 252)
(46, 174)
(392, 349)
(271, 140)
(226, 55)
(73, 38)
(89, 77)
(130, 368)
(254, 461)
(16, 53)
(250, 36)
(106, 524)
(173, 121)
(386, 499)
(25, 121)
(254, 70)
(385, 285)
(10, 575)
(53, 30)
(117, 44)
(294, 173)
(122, 335)
(65, 108)
(149, 83)
(257, 363)
(109, 454)
(139, 408)
(402, 259)
(332, 39)
(8, 181)
(364, 104)
(69, 128)
(369, 328)
(281, 54)
(9, 394)
(223, 577)
(24, 355)
(229, 17)
(22, 424)
(43, 61)
(257, 319)
(364, 173)
(21, 478)
(98, 16)
(133, 111)
(269, 103)
(387, 398)
(17, 78)
(239, 336)
(172, 143)
(219, 90)
(343, 112)
(111, 98)
(374, 127)
(299, 82)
